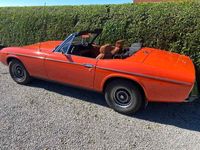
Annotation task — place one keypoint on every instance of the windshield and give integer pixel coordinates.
(84, 39)
(65, 45)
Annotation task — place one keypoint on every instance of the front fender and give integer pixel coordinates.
(5, 55)
(10, 56)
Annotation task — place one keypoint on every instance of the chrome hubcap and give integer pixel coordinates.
(122, 97)
(18, 72)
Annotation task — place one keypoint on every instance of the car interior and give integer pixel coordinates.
(84, 45)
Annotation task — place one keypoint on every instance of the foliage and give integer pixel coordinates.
(170, 26)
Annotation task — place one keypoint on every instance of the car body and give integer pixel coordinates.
(161, 76)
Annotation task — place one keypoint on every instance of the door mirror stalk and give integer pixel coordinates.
(68, 56)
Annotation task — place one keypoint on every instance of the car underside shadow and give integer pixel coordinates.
(81, 94)
(182, 115)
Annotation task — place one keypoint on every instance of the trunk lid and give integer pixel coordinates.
(169, 61)
(170, 65)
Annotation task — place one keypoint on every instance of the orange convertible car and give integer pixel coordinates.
(129, 77)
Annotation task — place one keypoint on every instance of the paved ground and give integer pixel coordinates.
(46, 115)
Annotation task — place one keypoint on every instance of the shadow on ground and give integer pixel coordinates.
(182, 115)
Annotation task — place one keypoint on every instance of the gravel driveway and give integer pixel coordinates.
(46, 115)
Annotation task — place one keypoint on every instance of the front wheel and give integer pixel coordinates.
(123, 96)
(18, 72)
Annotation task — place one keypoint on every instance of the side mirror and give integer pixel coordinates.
(68, 56)
(62, 51)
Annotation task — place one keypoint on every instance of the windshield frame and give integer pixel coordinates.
(69, 40)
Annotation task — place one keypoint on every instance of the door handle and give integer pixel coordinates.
(88, 65)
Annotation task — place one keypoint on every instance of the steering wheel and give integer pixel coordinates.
(72, 48)
(85, 44)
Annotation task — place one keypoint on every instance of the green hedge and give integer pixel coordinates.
(170, 26)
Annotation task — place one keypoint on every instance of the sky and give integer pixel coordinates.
(58, 2)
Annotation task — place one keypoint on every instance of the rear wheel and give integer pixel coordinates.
(123, 96)
(18, 72)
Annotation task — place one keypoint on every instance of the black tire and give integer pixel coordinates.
(18, 72)
(123, 96)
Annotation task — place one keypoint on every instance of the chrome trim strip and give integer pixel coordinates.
(108, 69)
(146, 76)
(39, 57)
(61, 61)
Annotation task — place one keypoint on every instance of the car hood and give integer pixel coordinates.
(47, 46)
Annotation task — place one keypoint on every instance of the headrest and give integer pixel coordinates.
(119, 44)
(106, 49)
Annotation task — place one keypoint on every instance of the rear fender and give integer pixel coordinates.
(122, 76)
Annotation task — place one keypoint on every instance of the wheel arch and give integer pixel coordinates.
(136, 83)
(12, 57)
(25, 78)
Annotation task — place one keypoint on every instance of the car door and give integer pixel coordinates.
(71, 69)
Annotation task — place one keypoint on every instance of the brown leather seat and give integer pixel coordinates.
(118, 47)
(107, 51)
(95, 50)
